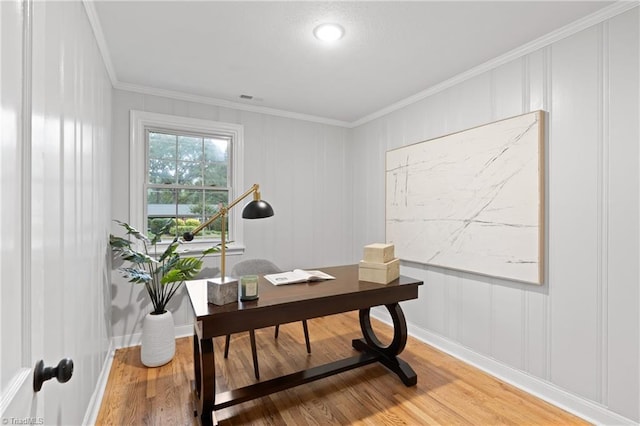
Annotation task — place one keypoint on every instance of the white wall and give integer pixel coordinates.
(579, 331)
(302, 170)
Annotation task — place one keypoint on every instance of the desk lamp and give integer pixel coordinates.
(256, 209)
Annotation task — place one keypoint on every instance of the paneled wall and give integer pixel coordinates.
(70, 193)
(302, 170)
(579, 332)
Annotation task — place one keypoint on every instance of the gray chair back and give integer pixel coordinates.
(208, 272)
(254, 267)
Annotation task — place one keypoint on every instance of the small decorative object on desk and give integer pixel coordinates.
(378, 253)
(249, 287)
(379, 265)
(222, 292)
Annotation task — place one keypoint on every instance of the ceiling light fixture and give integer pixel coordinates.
(328, 32)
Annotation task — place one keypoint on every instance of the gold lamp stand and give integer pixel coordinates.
(221, 289)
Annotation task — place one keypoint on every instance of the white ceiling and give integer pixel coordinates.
(391, 50)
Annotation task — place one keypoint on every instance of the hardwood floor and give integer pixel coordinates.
(448, 391)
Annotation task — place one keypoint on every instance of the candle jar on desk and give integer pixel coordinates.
(249, 287)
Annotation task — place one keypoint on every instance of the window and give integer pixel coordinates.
(187, 177)
(182, 170)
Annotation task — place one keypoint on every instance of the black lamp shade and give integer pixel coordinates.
(257, 209)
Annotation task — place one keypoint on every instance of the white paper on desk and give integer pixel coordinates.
(297, 276)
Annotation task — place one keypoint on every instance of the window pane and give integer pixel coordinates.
(189, 203)
(190, 208)
(161, 202)
(215, 174)
(189, 148)
(162, 197)
(157, 224)
(162, 171)
(189, 173)
(161, 206)
(213, 201)
(216, 149)
(162, 146)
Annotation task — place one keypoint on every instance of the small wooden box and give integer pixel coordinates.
(379, 253)
(381, 273)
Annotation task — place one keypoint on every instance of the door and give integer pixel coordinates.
(55, 109)
(27, 323)
(16, 298)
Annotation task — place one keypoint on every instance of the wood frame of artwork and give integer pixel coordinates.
(472, 200)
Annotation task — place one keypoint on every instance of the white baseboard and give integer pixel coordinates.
(184, 331)
(547, 391)
(91, 415)
(135, 339)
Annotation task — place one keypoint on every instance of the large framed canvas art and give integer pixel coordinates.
(473, 200)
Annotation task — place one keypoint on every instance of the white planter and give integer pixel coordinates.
(158, 340)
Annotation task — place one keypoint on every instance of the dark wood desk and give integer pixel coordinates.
(295, 302)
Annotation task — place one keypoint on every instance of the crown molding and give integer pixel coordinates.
(189, 97)
(552, 37)
(94, 20)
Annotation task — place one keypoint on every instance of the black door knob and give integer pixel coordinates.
(62, 372)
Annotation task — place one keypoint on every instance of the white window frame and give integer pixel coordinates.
(142, 120)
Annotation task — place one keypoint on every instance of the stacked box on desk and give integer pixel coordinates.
(381, 273)
(378, 253)
(379, 265)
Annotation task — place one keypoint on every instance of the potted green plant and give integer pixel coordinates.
(162, 275)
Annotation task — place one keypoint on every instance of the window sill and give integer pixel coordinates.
(197, 247)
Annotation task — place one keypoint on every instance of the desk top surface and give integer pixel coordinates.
(346, 283)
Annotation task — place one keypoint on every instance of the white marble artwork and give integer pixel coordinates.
(471, 201)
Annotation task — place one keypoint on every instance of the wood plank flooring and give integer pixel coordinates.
(449, 392)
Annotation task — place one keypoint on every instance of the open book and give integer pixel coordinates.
(297, 276)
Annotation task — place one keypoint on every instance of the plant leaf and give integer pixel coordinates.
(214, 249)
(159, 230)
(183, 269)
(118, 243)
(136, 257)
(132, 231)
(136, 275)
(170, 250)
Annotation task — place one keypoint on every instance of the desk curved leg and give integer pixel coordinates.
(387, 355)
(204, 369)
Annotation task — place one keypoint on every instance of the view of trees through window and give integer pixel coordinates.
(187, 181)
